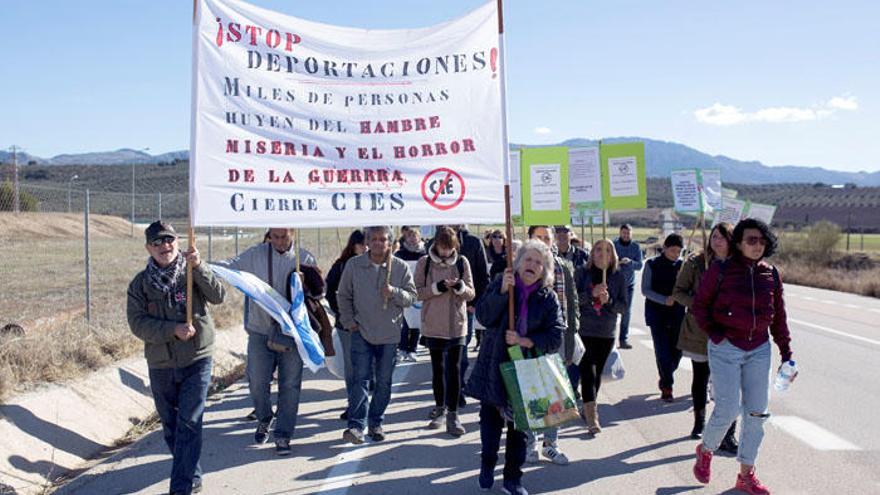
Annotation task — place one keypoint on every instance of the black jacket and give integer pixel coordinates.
(545, 328)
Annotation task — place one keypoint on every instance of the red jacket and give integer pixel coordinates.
(744, 306)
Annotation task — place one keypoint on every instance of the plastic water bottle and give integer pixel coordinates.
(785, 375)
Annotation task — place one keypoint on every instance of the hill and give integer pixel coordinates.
(798, 204)
(662, 157)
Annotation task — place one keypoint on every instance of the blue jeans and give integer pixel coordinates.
(740, 384)
(261, 364)
(624, 318)
(345, 337)
(464, 355)
(491, 425)
(666, 351)
(369, 360)
(179, 395)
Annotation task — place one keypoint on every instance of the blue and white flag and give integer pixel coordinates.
(293, 318)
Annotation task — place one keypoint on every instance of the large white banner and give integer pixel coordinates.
(301, 124)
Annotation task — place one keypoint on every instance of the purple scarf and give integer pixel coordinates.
(524, 291)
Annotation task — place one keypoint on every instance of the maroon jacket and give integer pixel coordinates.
(742, 308)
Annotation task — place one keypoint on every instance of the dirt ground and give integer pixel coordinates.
(61, 226)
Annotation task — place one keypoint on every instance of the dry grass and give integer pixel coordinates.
(863, 282)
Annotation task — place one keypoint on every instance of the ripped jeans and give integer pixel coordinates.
(741, 385)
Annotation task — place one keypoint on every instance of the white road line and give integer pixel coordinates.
(836, 332)
(684, 364)
(346, 467)
(808, 298)
(811, 434)
(828, 301)
(637, 331)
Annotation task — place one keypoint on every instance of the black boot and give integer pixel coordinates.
(729, 443)
(699, 423)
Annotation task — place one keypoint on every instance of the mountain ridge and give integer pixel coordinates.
(662, 157)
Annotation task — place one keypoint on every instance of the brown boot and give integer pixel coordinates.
(591, 415)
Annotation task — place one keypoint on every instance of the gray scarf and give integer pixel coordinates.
(165, 279)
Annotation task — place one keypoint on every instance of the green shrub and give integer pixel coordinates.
(26, 201)
(820, 239)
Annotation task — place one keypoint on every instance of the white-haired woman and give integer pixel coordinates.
(602, 298)
(537, 324)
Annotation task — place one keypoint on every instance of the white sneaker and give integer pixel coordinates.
(555, 455)
(411, 357)
(532, 456)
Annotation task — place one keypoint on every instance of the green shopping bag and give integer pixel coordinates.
(539, 391)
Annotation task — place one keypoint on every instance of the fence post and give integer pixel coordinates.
(87, 262)
(210, 244)
(160, 206)
(320, 248)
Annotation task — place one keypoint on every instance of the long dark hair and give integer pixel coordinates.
(753, 223)
(355, 238)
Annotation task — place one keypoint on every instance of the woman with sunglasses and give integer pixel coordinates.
(740, 306)
(692, 341)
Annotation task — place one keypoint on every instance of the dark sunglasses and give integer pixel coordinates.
(162, 240)
(751, 241)
(497, 237)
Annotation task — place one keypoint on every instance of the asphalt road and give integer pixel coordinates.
(822, 437)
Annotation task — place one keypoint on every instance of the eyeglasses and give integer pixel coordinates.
(162, 240)
(751, 241)
(497, 237)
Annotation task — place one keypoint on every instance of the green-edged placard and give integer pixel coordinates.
(623, 176)
(545, 185)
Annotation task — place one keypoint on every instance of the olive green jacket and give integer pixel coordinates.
(690, 338)
(153, 321)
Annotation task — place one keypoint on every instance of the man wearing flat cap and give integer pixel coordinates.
(178, 353)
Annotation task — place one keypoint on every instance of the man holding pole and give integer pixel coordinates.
(178, 351)
(273, 262)
(629, 254)
(374, 289)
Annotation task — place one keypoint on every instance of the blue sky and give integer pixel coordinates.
(783, 82)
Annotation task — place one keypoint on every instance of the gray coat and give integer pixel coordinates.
(152, 321)
(360, 300)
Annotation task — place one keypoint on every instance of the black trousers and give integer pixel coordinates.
(446, 380)
(597, 351)
(491, 425)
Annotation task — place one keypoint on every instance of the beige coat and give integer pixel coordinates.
(691, 338)
(444, 314)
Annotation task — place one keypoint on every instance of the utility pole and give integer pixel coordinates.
(16, 199)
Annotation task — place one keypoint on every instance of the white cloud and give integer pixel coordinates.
(542, 130)
(725, 115)
(843, 103)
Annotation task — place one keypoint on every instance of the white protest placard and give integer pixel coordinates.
(515, 185)
(589, 217)
(623, 176)
(761, 212)
(546, 186)
(686, 191)
(710, 189)
(302, 124)
(731, 211)
(584, 178)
